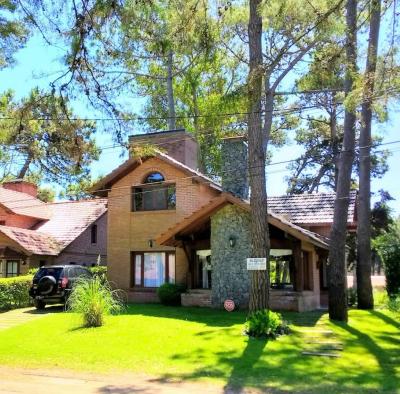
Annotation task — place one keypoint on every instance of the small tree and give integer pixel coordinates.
(388, 247)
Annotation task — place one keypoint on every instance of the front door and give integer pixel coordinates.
(203, 269)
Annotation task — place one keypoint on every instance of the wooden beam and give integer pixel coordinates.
(298, 267)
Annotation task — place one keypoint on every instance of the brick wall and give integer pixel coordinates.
(130, 231)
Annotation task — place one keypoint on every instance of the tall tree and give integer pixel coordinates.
(337, 249)
(40, 141)
(257, 141)
(365, 298)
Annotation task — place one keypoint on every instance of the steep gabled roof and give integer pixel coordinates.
(101, 187)
(24, 204)
(311, 209)
(203, 214)
(71, 218)
(32, 241)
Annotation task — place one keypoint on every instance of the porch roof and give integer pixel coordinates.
(198, 218)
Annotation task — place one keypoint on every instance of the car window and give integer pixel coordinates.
(48, 271)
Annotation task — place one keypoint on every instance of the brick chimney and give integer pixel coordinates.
(178, 144)
(234, 173)
(21, 186)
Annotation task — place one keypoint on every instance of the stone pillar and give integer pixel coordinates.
(234, 173)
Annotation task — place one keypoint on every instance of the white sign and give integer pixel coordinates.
(256, 263)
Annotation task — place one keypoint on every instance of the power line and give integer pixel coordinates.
(170, 182)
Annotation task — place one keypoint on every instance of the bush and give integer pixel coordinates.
(394, 304)
(14, 292)
(388, 247)
(351, 296)
(170, 293)
(265, 324)
(94, 299)
(32, 271)
(99, 271)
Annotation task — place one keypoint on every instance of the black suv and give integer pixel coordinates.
(53, 284)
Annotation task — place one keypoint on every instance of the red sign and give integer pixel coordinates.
(229, 305)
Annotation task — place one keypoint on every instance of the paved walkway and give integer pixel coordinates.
(24, 315)
(62, 382)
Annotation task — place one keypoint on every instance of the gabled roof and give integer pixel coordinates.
(68, 221)
(32, 241)
(71, 218)
(204, 213)
(23, 204)
(101, 187)
(311, 209)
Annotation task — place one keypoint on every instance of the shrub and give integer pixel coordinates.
(394, 304)
(32, 271)
(93, 299)
(170, 293)
(388, 247)
(265, 324)
(351, 296)
(99, 271)
(14, 292)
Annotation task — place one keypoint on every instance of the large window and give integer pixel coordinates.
(12, 268)
(153, 269)
(155, 195)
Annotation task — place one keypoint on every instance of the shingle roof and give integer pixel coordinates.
(201, 215)
(307, 209)
(70, 218)
(24, 204)
(32, 241)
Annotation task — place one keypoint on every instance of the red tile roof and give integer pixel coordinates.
(308, 209)
(24, 204)
(70, 218)
(32, 241)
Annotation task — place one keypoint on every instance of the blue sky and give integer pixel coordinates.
(37, 63)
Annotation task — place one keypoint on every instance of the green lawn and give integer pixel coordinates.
(194, 344)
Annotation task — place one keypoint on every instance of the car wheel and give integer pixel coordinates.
(40, 305)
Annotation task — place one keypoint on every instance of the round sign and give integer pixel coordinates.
(229, 305)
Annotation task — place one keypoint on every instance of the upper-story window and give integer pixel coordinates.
(155, 194)
(93, 234)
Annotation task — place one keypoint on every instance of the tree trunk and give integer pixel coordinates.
(25, 167)
(337, 249)
(170, 94)
(257, 142)
(364, 287)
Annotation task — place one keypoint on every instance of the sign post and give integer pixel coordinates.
(256, 264)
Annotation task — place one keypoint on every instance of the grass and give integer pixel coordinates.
(197, 344)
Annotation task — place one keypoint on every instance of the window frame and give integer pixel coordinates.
(148, 188)
(8, 273)
(141, 254)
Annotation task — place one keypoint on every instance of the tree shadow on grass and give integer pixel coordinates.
(387, 319)
(387, 358)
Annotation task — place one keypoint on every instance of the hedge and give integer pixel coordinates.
(14, 292)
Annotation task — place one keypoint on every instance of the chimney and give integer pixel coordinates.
(234, 176)
(178, 144)
(19, 185)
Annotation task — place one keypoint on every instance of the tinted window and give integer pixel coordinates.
(48, 271)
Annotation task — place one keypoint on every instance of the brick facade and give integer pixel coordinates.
(131, 231)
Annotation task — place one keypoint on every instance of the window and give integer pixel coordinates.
(94, 234)
(155, 195)
(2, 222)
(12, 268)
(153, 269)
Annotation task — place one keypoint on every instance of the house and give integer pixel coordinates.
(167, 222)
(33, 233)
